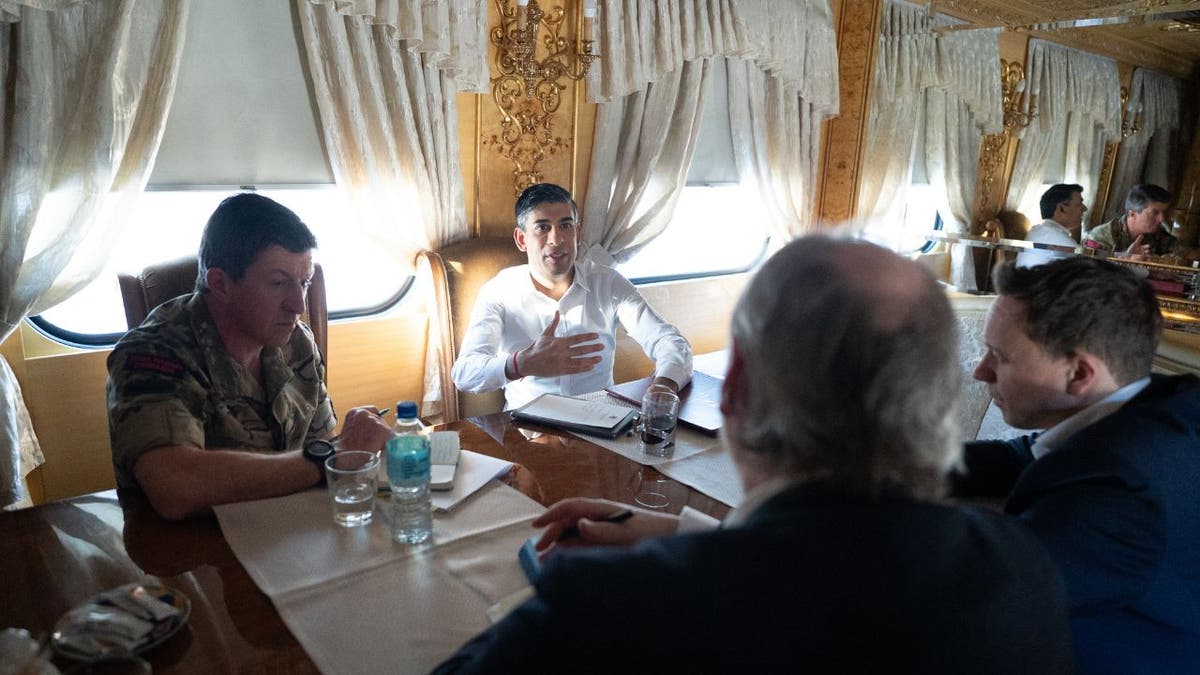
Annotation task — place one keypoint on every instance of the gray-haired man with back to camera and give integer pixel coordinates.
(839, 407)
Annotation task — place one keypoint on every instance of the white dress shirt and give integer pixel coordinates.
(1045, 232)
(510, 313)
(1055, 435)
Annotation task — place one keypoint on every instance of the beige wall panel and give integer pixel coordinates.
(376, 362)
(701, 309)
(65, 397)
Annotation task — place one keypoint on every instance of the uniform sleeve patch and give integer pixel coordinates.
(154, 364)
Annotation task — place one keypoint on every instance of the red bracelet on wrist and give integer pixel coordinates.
(516, 370)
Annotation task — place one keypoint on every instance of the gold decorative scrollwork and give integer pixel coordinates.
(528, 91)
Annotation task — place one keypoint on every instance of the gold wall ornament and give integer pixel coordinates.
(528, 90)
(1131, 120)
(1012, 95)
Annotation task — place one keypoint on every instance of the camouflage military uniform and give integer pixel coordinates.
(1113, 236)
(171, 382)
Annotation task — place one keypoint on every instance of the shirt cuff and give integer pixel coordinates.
(691, 520)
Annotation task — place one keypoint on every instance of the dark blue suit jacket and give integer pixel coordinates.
(1118, 506)
(814, 581)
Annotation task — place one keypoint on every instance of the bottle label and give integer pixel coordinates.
(408, 459)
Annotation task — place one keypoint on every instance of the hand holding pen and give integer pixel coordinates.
(599, 522)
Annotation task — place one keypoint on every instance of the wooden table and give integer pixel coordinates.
(58, 555)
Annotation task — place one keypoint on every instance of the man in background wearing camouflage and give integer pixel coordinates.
(1140, 231)
(218, 396)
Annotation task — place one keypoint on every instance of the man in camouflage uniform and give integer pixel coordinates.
(1140, 231)
(211, 399)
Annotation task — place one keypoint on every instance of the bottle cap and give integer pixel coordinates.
(406, 409)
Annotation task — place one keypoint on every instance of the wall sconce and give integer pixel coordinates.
(1012, 93)
(528, 90)
(1131, 118)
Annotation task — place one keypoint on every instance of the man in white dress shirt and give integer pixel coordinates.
(550, 326)
(1062, 210)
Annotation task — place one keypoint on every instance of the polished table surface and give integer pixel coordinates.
(58, 555)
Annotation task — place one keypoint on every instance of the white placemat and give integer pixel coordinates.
(358, 602)
(711, 472)
(687, 442)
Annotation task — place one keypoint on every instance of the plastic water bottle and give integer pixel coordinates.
(408, 474)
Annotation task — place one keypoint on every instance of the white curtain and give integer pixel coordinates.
(776, 145)
(1076, 97)
(782, 65)
(85, 99)
(386, 74)
(643, 147)
(947, 84)
(903, 69)
(1147, 155)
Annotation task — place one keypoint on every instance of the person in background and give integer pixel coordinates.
(1110, 485)
(1062, 220)
(1139, 232)
(219, 396)
(550, 325)
(839, 405)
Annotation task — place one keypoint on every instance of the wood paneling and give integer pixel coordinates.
(844, 137)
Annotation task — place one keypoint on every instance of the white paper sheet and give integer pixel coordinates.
(474, 471)
(392, 608)
(687, 442)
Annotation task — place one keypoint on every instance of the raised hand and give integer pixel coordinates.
(550, 356)
(1138, 250)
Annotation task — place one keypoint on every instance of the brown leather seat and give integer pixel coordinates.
(455, 275)
(165, 281)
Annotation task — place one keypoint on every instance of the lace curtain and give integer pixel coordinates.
(643, 148)
(1148, 155)
(1077, 98)
(386, 74)
(782, 65)
(72, 171)
(949, 84)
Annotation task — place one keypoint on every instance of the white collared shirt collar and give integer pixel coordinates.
(1055, 435)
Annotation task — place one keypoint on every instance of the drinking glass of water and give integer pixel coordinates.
(660, 413)
(352, 477)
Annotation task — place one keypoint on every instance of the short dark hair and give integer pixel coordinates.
(1083, 303)
(542, 193)
(1057, 194)
(245, 225)
(1141, 195)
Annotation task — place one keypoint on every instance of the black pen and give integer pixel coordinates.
(614, 517)
(383, 412)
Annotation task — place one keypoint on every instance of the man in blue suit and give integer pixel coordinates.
(839, 406)
(1112, 487)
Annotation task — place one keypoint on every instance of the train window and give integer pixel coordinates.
(716, 229)
(360, 277)
(719, 226)
(227, 128)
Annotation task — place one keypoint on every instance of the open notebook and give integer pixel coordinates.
(699, 402)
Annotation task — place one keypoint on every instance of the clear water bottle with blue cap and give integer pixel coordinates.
(408, 475)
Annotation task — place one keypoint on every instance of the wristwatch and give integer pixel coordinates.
(317, 451)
